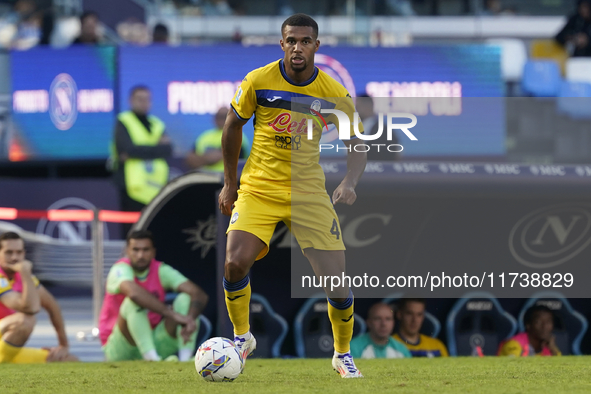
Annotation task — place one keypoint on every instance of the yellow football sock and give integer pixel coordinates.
(8, 351)
(21, 355)
(341, 318)
(238, 302)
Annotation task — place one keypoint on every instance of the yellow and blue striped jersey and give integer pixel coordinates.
(425, 347)
(282, 156)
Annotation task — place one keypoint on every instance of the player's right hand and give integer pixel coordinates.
(23, 267)
(228, 197)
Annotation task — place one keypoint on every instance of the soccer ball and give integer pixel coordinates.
(218, 360)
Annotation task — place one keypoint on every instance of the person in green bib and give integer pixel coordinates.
(377, 342)
(207, 154)
(139, 152)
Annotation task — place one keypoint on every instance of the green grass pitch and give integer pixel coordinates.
(454, 375)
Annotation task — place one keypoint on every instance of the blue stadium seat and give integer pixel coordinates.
(312, 329)
(541, 78)
(569, 325)
(478, 319)
(431, 326)
(268, 327)
(574, 99)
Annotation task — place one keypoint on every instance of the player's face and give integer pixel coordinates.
(299, 44)
(381, 322)
(411, 317)
(12, 252)
(141, 102)
(140, 253)
(542, 326)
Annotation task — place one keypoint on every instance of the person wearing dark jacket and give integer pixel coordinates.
(576, 34)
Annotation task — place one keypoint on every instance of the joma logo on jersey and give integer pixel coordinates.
(283, 122)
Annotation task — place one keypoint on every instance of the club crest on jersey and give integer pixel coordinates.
(234, 218)
(315, 107)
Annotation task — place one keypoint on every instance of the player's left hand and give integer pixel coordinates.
(187, 330)
(58, 353)
(344, 194)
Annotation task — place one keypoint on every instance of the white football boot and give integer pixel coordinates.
(245, 347)
(345, 366)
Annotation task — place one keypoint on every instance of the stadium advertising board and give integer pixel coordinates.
(190, 84)
(63, 103)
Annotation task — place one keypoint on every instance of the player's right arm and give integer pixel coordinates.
(243, 107)
(27, 301)
(121, 281)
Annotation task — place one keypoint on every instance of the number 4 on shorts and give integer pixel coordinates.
(335, 228)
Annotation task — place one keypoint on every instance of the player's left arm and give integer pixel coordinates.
(49, 303)
(356, 160)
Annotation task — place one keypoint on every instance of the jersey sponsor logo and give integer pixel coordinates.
(273, 99)
(3, 282)
(283, 122)
(288, 142)
(234, 218)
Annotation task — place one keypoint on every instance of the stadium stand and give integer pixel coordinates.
(574, 99)
(312, 329)
(478, 320)
(578, 69)
(549, 49)
(569, 325)
(541, 78)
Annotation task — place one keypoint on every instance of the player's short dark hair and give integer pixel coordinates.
(140, 234)
(9, 235)
(88, 14)
(300, 20)
(161, 28)
(530, 313)
(160, 32)
(137, 88)
(405, 301)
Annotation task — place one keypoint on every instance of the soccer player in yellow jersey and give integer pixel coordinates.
(283, 175)
(21, 298)
(411, 314)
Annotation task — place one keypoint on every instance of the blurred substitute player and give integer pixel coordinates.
(135, 323)
(21, 298)
(537, 340)
(411, 315)
(377, 342)
(283, 181)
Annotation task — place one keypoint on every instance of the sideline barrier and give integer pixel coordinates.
(98, 218)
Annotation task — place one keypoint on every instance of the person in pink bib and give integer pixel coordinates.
(21, 298)
(537, 340)
(135, 323)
